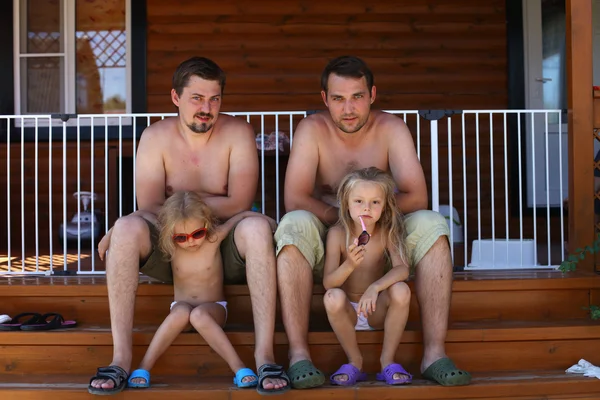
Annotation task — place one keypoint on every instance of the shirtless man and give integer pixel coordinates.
(353, 136)
(215, 156)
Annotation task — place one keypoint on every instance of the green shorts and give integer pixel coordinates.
(305, 231)
(157, 265)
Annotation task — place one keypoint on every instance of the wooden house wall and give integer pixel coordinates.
(427, 54)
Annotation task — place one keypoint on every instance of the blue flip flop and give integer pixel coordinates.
(244, 373)
(139, 373)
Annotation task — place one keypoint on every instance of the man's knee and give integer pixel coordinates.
(132, 228)
(399, 294)
(299, 238)
(255, 230)
(427, 230)
(334, 300)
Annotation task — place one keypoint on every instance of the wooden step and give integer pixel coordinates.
(506, 296)
(477, 347)
(525, 385)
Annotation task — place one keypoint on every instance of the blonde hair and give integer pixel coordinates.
(179, 207)
(391, 222)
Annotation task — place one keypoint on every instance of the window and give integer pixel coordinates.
(72, 57)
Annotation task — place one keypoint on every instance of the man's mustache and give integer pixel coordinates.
(203, 114)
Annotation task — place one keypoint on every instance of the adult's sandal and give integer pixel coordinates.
(272, 371)
(444, 372)
(113, 373)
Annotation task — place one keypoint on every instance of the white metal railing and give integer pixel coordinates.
(467, 157)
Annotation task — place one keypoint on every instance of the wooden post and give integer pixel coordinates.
(581, 139)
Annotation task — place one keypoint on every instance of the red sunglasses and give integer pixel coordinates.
(184, 237)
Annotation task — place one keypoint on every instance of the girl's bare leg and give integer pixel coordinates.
(342, 318)
(391, 314)
(172, 326)
(208, 319)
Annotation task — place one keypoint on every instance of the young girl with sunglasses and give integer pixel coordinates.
(190, 238)
(361, 295)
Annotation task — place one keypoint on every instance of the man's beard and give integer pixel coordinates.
(340, 124)
(202, 127)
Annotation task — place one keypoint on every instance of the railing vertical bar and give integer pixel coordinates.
(78, 195)
(50, 233)
(9, 122)
(547, 156)
(418, 137)
(291, 129)
(450, 198)
(64, 176)
(534, 190)
(478, 184)
(106, 174)
(36, 190)
(262, 163)
(464, 160)
(120, 167)
(93, 199)
(134, 144)
(276, 168)
(23, 256)
(560, 183)
(435, 175)
(506, 215)
(493, 205)
(519, 123)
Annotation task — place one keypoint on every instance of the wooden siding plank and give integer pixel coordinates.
(581, 139)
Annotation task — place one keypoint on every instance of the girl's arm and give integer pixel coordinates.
(398, 273)
(335, 274)
(224, 229)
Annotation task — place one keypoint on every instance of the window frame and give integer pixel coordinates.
(68, 14)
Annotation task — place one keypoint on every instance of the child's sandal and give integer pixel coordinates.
(243, 373)
(139, 373)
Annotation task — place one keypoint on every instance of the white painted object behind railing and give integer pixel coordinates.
(450, 139)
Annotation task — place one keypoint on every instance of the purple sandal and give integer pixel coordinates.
(388, 373)
(353, 373)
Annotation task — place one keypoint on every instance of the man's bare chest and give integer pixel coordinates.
(336, 164)
(196, 172)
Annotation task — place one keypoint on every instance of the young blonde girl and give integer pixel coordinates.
(190, 239)
(361, 295)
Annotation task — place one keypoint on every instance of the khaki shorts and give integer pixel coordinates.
(157, 265)
(305, 231)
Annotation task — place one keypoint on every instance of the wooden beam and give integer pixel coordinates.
(580, 114)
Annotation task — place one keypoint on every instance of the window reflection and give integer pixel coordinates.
(554, 56)
(101, 56)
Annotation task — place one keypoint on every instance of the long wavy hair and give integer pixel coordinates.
(177, 208)
(391, 222)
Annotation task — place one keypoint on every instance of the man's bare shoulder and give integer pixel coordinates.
(389, 122)
(234, 127)
(161, 131)
(315, 125)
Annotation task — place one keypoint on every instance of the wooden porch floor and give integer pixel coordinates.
(515, 331)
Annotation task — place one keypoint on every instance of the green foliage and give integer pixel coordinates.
(594, 312)
(570, 264)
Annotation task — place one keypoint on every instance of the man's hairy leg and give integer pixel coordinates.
(295, 281)
(254, 240)
(130, 242)
(433, 283)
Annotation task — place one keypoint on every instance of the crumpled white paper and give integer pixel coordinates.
(586, 368)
